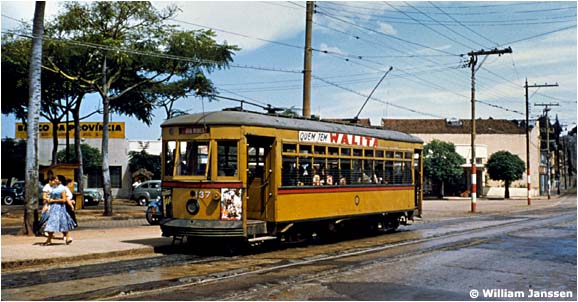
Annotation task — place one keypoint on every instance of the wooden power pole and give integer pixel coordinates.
(307, 60)
(546, 110)
(473, 61)
(528, 174)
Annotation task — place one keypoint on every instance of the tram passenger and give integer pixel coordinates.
(342, 180)
(329, 180)
(316, 178)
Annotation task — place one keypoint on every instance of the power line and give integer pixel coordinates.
(460, 23)
(455, 7)
(386, 35)
(376, 99)
(445, 26)
(345, 56)
(152, 54)
(541, 35)
(501, 22)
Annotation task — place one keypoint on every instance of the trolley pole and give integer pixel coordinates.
(473, 61)
(528, 174)
(307, 60)
(546, 110)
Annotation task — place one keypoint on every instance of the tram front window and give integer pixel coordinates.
(170, 153)
(193, 158)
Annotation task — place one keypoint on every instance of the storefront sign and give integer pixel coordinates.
(87, 130)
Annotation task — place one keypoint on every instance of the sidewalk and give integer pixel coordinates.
(98, 236)
(137, 237)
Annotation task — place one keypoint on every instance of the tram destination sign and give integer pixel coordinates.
(337, 138)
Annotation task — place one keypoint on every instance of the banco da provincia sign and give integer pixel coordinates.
(337, 138)
(87, 130)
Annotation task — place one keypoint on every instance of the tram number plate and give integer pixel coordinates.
(204, 194)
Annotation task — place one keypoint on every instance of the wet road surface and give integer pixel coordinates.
(443, 260)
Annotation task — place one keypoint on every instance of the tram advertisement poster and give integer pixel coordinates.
(231, 204)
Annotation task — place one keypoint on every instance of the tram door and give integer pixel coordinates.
(417, 167)
(259, 175)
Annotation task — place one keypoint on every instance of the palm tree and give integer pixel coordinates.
(31, 175)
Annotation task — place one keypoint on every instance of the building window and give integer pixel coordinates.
(95, 178)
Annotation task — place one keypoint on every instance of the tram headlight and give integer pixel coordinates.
(193, 206)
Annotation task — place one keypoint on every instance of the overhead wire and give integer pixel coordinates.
(436, 86)
(443, 35)
(152, 54)
(387, 35)
(499, 22)
(462, 24)
(376, 99)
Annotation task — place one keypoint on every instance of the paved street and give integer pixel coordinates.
(441, 257)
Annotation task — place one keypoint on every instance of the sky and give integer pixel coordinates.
(355, 43)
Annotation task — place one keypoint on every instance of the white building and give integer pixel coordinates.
(492, 135)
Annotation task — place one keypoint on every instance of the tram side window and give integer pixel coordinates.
(227, 158)
(388, 179)
(170, 153)
(289, 172)
(407, 172)
(305, 176)
(345, 175)
(193, 158)
(397, 172)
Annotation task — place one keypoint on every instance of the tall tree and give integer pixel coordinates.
(442, 164)
(505, 166)
(31, 176)
(132, 48)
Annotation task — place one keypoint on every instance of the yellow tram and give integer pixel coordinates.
(256, 177)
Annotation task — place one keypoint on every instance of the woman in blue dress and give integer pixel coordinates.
(58, 219)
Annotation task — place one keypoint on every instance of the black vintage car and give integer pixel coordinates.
(10, 195)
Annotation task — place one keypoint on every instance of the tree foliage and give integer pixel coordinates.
(91, 158)
(142, 160)
(442, 164)
(126, 50)
(507, 167)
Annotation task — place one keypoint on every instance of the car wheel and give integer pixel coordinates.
(8, 200)
(88, 201)
(142, 201)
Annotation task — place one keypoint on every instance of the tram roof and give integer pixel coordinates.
(246, 118)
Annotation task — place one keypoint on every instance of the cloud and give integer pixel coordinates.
(254, 20)
(387, 28)
(333, 49)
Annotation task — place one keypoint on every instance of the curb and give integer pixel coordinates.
(28, 263)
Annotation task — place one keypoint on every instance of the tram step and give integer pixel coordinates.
(262, 238)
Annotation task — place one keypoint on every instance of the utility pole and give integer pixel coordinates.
(546, 109)
(473, 61)
(528, 135)
(307, 61)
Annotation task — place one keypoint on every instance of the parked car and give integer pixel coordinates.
(92, 197)
(19, 188)
(10, 195)
(146, 191)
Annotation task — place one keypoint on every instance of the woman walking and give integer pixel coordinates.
(58, 220)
